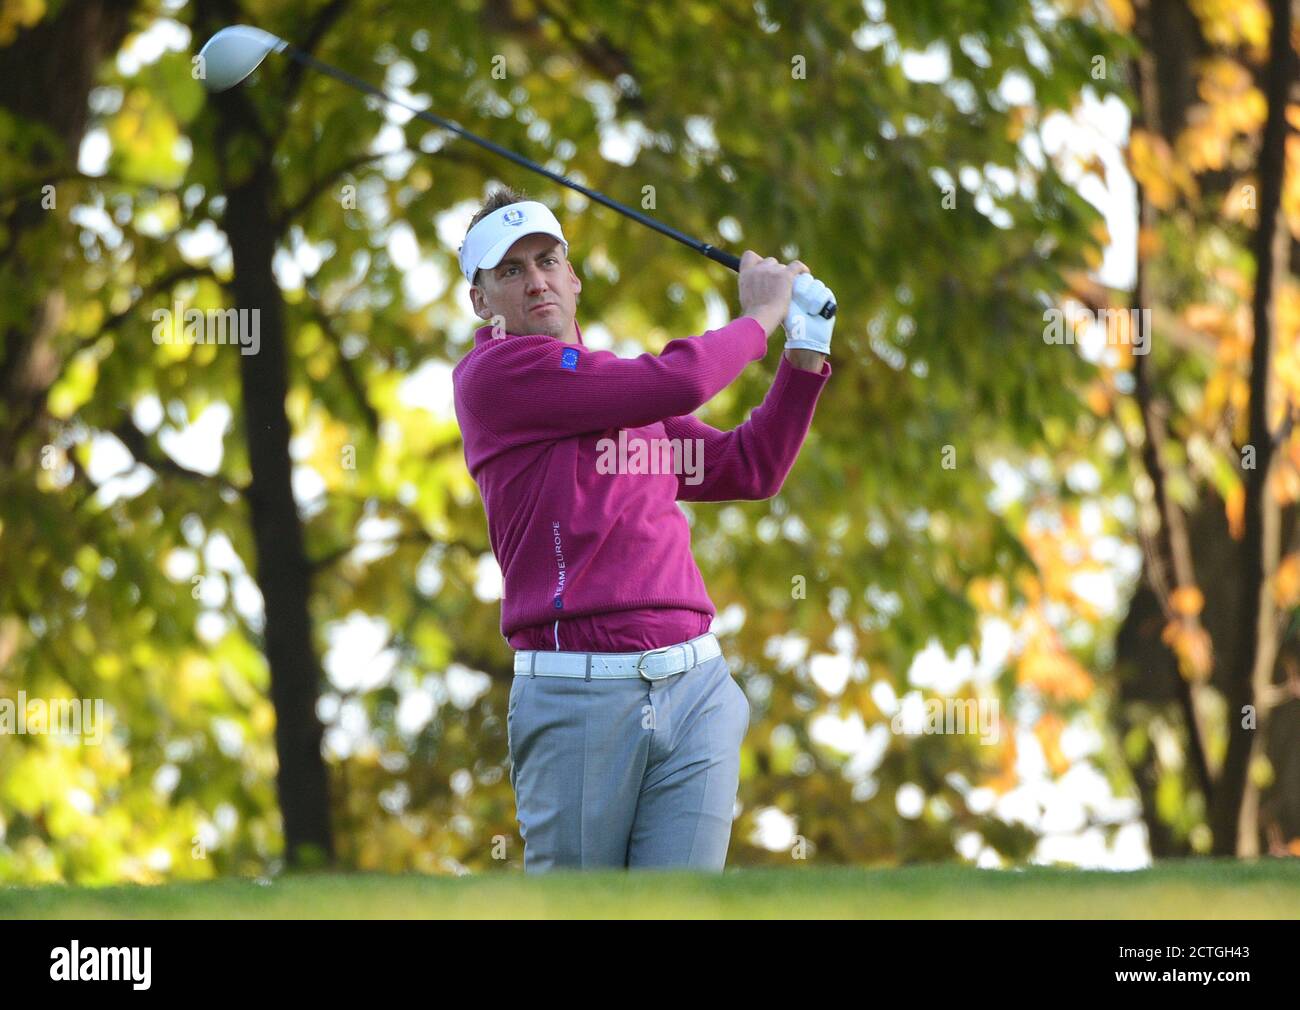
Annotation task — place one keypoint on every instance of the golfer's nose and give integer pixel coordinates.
(535, 280)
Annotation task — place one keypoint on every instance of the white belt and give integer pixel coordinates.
(654, 664)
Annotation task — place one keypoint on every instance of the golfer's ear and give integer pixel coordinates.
(480, 304)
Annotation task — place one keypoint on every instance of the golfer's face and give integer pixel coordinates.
(534, 288)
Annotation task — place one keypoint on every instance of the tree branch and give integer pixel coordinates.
(410, 536)
(1172, 545)
(138, 444)
(600, 54)
(324, 20)
(164, 283)
(350, 377)
(290, 213)
(1233, 819)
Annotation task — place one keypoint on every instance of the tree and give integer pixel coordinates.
(916, 195)
(1209, 628)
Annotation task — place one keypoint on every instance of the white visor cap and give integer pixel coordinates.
(490, 239)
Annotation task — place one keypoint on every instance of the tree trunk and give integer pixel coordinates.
(1256, 647)
(46, 74)
(283, 572)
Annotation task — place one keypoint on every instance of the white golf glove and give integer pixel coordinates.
(804, 328)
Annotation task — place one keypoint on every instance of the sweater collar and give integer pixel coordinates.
(484, 333)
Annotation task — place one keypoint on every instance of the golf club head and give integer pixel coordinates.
(234, 53)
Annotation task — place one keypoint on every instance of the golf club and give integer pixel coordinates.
(235, 52)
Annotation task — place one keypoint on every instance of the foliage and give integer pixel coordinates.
(939, 351)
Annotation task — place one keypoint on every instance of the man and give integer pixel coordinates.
(624, 723)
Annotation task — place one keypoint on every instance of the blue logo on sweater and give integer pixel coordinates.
(559, 603)
(569, 359)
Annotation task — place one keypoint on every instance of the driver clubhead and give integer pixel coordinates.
(234, 53)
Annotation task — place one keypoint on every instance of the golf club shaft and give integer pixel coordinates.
(712, 252)
(718, 255)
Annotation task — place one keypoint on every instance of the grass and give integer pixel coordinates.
(1216, 889)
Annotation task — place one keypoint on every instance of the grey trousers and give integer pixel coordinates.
(627, 773)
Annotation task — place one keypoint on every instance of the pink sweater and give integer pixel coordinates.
(575, 541)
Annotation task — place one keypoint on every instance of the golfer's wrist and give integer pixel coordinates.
(769, 319)
(808, 361)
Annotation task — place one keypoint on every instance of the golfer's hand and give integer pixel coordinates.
(766, 287)
(805, 329)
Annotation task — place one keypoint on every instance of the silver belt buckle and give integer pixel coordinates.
(641, 659)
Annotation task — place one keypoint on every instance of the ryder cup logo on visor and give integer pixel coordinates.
(488, 241)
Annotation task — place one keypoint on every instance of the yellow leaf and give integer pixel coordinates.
(1005, 780)
(1048, 731)
(1053, 671)
(1098, 399)
(1122, 12)
(18, 14)
(1187, 600)
(1235, 508)
(1191, 644)
(1149, 243)
(1150, 161)
(1286, 581)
